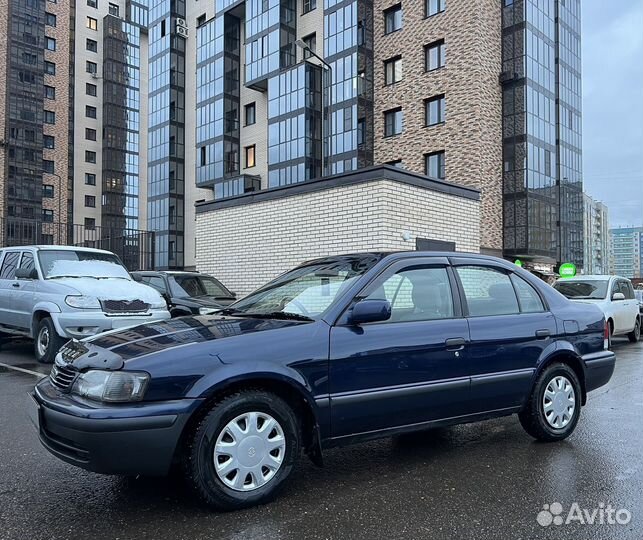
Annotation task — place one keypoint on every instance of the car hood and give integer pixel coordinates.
(110, 289)
(114, 348)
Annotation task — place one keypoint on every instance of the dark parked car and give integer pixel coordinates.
(188, 293)
(338, 350)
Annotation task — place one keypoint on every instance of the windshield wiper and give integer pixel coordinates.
(285, 315)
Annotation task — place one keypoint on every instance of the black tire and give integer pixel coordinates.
(54, 343)
(533, 418)
(199, 459)
(635, 334)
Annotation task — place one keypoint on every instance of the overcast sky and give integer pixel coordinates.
(612, 49)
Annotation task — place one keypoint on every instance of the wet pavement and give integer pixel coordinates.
(485, 480)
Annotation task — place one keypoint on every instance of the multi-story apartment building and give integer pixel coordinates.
(596, 235)
(177, 101)
(626, 252)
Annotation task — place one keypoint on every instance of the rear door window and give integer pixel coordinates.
(528, 299)
(27, 261)
(9, 264)
(487, 291)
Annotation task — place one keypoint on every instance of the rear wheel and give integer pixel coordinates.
(47, 342)
(635, 334)
(243, 450)
(553, 408)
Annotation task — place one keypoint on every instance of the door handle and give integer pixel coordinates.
(455, 344)
(543, 334)
(15, 284)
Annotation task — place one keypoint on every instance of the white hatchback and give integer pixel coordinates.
(613, 294)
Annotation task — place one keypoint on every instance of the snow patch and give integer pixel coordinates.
(97, 269)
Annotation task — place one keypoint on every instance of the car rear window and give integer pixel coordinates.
(594, 289)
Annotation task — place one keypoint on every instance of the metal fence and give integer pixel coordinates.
(133, 246)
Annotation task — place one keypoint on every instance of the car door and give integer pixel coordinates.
(24, 292)
(409, 369)
(619, 308)
(630, 304)
(509, 328)
(8, 284)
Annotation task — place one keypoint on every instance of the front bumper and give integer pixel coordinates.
(599, 368)
(126, 439)
(81, 324)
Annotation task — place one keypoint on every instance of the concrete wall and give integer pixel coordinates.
(246, 245)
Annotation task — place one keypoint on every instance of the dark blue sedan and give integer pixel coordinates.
(338, 350)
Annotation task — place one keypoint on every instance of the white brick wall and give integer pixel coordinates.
(246, 246)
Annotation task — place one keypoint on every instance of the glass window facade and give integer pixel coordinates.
(543, 207)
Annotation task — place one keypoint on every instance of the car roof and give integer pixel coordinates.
(594, 277)
(49, 247)
(395, 255)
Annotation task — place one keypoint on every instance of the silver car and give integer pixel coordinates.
(55, 293)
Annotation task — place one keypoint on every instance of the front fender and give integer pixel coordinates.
(48, 307)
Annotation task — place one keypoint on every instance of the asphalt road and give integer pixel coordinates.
(486, 480)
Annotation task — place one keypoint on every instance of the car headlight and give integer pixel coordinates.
(207, 311)
(111, 386)
(161, 304)
(82, 302)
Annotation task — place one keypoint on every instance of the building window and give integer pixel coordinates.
(48, 191)
(48, 216)
(90, 134)
(92, 3)
(393, 122)
(434, 55)
(50, 117)
(90, 201)
(361, 126)
(50, 68)
(91, 67)
(90, 157)
(433, 7)
(393, 70)
(250, 156)
(50, 92)
(251, 113)
(311, 42)
(203, 156)
(50, 44)
(393, 19)
(395, 163)
(47, 166)
(50, 19)
(113, 10)
(90, 89)
(200, 20)
(92, 23)
(90, 112)
(48, 142)
(308, 5)
(434, 110)
(434, 165)
(90, 179)
(90, 223)
(91, 45)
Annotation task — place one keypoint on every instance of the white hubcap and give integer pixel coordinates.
(249, 451)
(43, 341)
(559, 402)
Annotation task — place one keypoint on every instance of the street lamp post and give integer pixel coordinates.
(325, 98)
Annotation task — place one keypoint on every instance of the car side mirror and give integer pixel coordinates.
(26, 273)
(368, 311)
(618, 296)
(137, 278)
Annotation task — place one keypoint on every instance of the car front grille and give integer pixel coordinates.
(72, 350)
(62, 377)
(124, 306)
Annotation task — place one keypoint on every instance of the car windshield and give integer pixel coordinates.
(184, 286)
(79, 264)
(594, 289)
(307, 291)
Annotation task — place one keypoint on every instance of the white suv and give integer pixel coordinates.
(54, 293)
(613, 294)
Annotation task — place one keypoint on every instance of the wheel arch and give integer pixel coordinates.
(570, 358)
(287, 389)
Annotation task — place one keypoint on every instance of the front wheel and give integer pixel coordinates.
(635, 334)
(553, 408)
(47, 342)
(243, 450)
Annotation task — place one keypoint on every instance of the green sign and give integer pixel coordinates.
(567, 270)
(518, 262)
